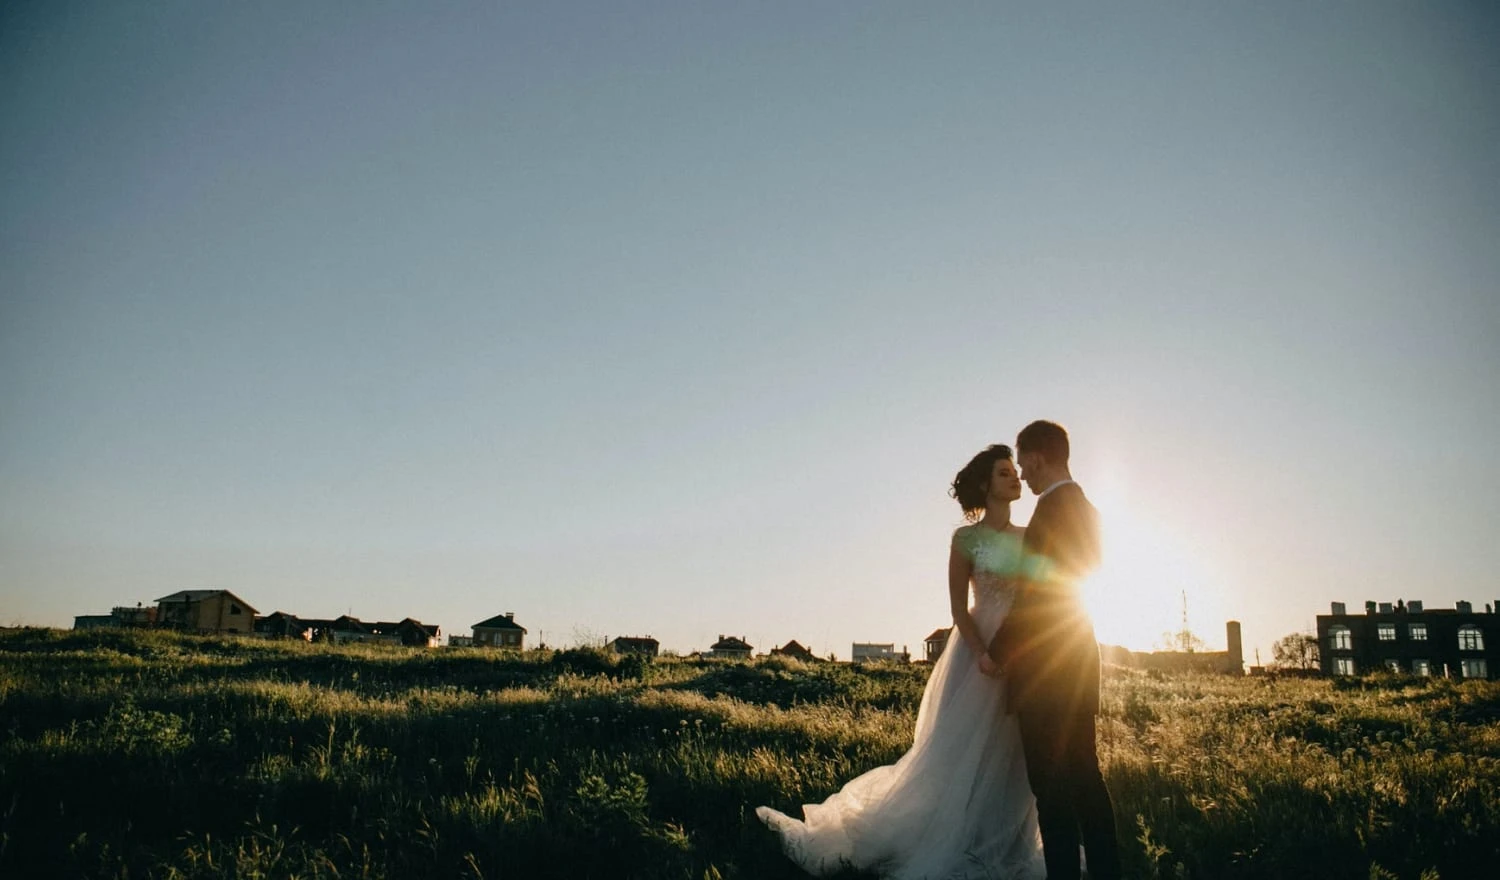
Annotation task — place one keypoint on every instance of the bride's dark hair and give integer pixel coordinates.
(972, 485)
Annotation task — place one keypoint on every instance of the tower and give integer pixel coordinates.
(1236, 661)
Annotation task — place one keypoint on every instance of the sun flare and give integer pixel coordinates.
(1136, 597)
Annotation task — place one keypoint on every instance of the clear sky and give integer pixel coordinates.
(678, 318)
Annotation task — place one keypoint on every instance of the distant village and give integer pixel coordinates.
(222, 612)
(1397, 637)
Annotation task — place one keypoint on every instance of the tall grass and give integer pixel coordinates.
(145, 754)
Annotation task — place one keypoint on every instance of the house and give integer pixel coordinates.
(118, 617)
(345, 628)
(205, 611)
(460, 641)
(936, 642)
(137, 616)
(1405, 637)
(795, 651)
(1230, 661)
(341, 629)
(643, 645)
(500, 631)
(279, 624)
(733, 647)
(410, 632)
(864, 652)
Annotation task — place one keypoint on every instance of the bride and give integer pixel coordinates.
(957, 804)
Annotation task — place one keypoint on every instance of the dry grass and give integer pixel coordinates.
(155, 755)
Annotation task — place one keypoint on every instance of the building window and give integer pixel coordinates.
(1343, 666)
(1339, 639)
(1393, 665)
(1386, 632)
(1476, 669)
(1470, 638)
(1421, 667)
(235, 609)
(1417, 632)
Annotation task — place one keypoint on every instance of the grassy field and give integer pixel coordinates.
(136, 754)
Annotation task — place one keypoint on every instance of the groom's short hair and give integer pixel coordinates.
(1047, 438)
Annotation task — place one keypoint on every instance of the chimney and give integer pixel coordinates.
(1338, 608)
(510, 615)
(1464, 607)
(1369, 607)
(1236, 664)
(1414, 606)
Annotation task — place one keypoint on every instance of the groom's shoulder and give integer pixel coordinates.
(1068, 495)
(1064, 504)
(1071, 530)
(1072, 492)
(1074, 499)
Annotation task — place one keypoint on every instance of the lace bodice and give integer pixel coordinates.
(998, 560)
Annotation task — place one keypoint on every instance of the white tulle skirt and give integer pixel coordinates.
(957, 805)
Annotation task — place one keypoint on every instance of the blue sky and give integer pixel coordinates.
(677, 319)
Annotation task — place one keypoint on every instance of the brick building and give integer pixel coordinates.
(1407, 638)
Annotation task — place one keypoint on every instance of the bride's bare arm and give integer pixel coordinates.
(959, 569)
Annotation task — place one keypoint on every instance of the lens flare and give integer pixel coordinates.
(1137, 596)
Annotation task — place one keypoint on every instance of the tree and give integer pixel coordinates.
(1184, 640)
(1295, 651)
(587, 637)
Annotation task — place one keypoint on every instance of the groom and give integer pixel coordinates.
(1047, 650)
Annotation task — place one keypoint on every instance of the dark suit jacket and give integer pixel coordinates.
(1046, 645)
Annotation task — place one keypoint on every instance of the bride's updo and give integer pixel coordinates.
(972, 485)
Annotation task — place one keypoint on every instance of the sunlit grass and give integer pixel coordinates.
(157, 755)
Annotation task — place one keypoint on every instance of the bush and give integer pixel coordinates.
(587, 661)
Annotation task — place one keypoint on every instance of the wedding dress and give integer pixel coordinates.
(957, 805)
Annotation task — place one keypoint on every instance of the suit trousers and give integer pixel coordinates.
(1072, 802)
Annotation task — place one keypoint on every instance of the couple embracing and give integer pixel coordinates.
(1002, 779)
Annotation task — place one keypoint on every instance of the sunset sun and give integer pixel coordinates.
(1137, 596)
